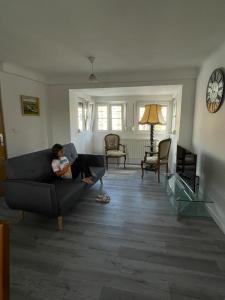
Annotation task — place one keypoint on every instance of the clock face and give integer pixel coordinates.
(215, 91)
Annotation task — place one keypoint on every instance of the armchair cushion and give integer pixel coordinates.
(154, 160)
(115, 153)
(151, 159)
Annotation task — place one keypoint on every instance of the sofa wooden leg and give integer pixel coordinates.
(21, 215)
(60, 223)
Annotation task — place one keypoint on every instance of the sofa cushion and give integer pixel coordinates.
(68, 192)
(36, 165)
(32, 166)
(70, 152)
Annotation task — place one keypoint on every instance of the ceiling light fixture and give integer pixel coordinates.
(92, 77)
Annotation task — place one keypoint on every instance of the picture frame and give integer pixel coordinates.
(30, 105)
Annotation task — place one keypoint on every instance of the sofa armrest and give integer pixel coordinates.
(93, 159)
(31, 196)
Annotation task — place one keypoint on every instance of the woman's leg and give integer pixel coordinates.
(75, 168)
(80, 166)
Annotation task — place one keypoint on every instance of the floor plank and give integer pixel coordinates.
(133, 248)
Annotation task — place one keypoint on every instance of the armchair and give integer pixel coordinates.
(156, 159)
(113, 148)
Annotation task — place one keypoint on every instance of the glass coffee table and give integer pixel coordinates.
(185, 202)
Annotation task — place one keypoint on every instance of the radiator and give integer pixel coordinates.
(135, 149)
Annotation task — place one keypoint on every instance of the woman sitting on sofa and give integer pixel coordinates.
(64, 169)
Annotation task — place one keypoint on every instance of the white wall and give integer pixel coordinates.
(209, 141)
(59, 114)
(24, 134)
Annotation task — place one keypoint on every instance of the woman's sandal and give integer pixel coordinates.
(103, 198)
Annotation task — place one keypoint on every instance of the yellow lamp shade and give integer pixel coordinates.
(152, 115)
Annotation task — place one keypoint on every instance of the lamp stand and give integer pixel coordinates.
(151, 138)
(150, 167)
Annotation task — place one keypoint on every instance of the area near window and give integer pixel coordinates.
(110, 117)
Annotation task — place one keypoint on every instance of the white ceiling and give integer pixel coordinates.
(163, 90)
(56, 36)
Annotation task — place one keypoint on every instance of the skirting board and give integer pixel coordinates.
(217, 215)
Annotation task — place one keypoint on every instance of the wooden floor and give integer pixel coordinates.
(131, 249)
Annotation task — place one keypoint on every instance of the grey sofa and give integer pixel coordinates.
(32, 186)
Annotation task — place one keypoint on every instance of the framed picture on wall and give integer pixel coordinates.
(30, 106)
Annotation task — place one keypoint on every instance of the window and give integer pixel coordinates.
(90, 116)
(110, 117)
(116, 117)
(102, 122)
(80, 117)
(159, 128)
(85, 116)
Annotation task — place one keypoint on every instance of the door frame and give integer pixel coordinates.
(3, 124)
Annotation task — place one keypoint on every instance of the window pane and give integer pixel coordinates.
(102, 112)
(160, 127)
(116, 114)
(164, 112)
(102, 117)
(80, 117)
(102, 124)
(116, 111)
(116, 124)
(141, 112)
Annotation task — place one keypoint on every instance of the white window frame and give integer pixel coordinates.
(80, 105)
(168, 104)
(87, 112)
(96, 125)
(109, 116)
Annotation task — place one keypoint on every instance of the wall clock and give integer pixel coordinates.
(215, 90)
